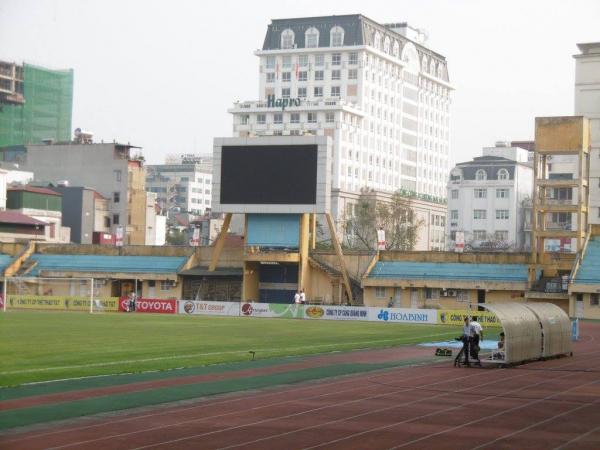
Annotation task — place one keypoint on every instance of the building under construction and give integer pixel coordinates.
(35, 104)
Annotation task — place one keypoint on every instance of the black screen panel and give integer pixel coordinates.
(270, 174)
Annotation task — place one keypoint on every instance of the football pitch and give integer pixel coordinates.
(42, 346)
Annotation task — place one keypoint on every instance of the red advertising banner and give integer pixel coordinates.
(149, 305)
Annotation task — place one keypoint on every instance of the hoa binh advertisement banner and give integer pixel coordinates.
(403, 315)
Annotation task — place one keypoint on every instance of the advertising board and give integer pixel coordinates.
(336, 312)
(403, 315)
(61, 303)
(150, 305)
(286, 311)
(456, 317)
(200, 307)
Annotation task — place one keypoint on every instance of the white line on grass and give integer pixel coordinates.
(194, 355)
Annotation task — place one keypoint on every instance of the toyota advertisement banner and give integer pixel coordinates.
(150, 305)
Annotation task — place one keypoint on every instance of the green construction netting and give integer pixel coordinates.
(46, 113)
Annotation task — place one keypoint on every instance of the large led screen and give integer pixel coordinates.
(274, 174)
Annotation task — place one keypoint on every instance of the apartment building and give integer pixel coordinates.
(376, 89)
(488, 199)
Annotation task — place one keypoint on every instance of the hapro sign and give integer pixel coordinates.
(282, 103)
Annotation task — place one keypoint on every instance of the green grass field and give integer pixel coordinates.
(41, 346)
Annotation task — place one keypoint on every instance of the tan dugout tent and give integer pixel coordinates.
(532, 330)
(556, 327)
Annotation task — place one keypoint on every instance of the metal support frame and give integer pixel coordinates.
(340, 255)
(219, 243)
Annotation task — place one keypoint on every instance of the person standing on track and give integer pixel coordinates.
(477, 336)
(302, 297)
(297, 298)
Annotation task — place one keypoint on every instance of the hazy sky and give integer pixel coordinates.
(162, 74)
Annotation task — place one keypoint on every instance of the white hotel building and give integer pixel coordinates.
(376, 90)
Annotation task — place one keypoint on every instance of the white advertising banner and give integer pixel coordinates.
(286, 311)
(336, 312)
(403, 315)
(208, 308)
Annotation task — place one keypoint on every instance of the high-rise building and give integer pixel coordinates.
(376, 89)
(587, 103)
(488, 200)
(35, 104)
(181, 187)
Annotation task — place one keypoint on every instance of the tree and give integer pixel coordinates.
(396, 217)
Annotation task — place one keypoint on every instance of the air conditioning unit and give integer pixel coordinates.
(452, 292)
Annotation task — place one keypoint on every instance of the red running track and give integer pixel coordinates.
(542, 405)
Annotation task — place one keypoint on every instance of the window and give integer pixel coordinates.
(480, 175)
(287, 39)
(335, 91)
(270, 62)
(270, 77)
(454, 193)
(295, 118)
(117, 175)
(432, 294)
(379, 292)
(501, 235)
(480, 193)
(318, 75)
(303, 60)
(260, 119)
(353, 58)
(503, 174)
(594, 299)
(115, 219)
(318, 91)
(286, 77)
(303, 76)
(165, 285)
(278, 118)
(353, 74)
(454, 214)
(312, 117)
(336, 74)
(285, 93)
(116, 197)
(106, 222)
(244, 118)
(302, 92)
(311, 38)
(453, 235)
(329, 117)
(286, 62)
(336, 36)
(502, 214)
(502, 193)
(336, 59)
(479, 214)
(479, 235)
(319, 60)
